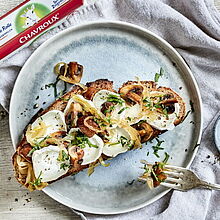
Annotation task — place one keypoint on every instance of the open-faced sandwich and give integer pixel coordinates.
(90, 124)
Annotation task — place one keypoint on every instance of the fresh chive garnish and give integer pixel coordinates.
(123, 109)
(157, 147)
(37, 182)
(158, 75)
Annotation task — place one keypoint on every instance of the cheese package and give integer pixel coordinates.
(31, 18)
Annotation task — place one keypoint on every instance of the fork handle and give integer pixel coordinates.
(207, 185)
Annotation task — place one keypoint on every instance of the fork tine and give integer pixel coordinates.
(173, 180)
(178, 169)
(173, 186)
(173, 174)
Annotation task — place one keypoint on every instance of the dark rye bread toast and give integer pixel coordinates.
(23, 148)
(152, 86)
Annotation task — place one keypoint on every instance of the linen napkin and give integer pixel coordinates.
(193, 28)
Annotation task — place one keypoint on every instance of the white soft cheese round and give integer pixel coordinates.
(46, 165)
(160, 121)
(50, 122)
(101, 97)
(114, 146)
(91, 154)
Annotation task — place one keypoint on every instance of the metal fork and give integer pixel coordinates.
(183, 179)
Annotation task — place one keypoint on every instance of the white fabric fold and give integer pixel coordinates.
(193, 28)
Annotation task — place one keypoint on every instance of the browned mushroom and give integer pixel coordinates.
(55, 137)
(76, 155)
(145, 131)
(24, 151)
(132, 94)
(88, 126)
(90, 92)
(107, 107)
(71, 115)
(71, 73)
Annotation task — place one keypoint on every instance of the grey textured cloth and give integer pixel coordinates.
(193, 28)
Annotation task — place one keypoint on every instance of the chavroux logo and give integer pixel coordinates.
(29, 15)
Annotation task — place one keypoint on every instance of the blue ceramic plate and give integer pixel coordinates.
(117, 51)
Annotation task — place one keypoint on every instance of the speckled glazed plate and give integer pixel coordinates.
(117, 51)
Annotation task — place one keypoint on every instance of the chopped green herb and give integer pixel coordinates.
(109, 109)
(82, 140)
(108, 120)
(148, 104)
(157, 106)
(166, 113)
(37, 145)
(99, 122)
(37, 182)
(63, 156)
(157, 147)
(114, 143)
(63, 99)
(32, 150)
(119, 112)
(158, 75)
(64, 166)
(125, 142)
(167, 156)
(44, 139)
(115, 99)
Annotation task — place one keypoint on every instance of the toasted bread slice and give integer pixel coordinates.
(25, 174)
(138, 95)
(174, 95)
(24, 147)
